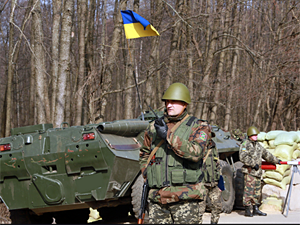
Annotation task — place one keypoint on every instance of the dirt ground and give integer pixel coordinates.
(4, 214)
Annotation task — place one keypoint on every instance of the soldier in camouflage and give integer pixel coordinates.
(212, 171)
(179, 142)
(251, 154)
(238, 135)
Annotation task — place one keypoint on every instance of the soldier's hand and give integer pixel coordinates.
(256, 167)
(161, 128)
(279, 162)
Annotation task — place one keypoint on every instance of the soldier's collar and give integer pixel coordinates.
(169, 119)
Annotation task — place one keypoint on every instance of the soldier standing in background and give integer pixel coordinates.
(251, 154)
(178, 143)
(212, 171)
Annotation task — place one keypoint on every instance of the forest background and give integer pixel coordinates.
(69, 60)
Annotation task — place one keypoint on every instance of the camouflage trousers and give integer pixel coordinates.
(214, 193)
(182, 212)
(252, 190)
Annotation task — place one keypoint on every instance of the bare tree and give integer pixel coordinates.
(107, 76)
(43, 108)
(212, 22)
(10, 69)
(81, 72)
(57, 4)
(64, 59)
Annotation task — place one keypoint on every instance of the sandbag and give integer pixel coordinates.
(264, 144)
(271, 150)
(285, 152)
(271, 144)
(282, 168)
(271, 135)
(286, 138)
(298, 135)
(282, 184)
(261, 136)
(272, 174)
(271, 203)
(296, 154)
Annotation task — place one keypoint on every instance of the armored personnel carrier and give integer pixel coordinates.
(48, 172)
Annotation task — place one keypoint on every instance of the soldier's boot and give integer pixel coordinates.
(248, 211)
(257, 212)
(213, 223)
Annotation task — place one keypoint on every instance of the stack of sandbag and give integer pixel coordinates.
(285, 146)
(261, 138)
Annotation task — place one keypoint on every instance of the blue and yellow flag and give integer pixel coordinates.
(136, 26)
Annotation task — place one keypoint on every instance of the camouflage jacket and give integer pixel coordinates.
(251, 153)
(180, 153)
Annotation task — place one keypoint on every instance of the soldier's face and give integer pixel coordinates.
(175, 107)
(253, 137)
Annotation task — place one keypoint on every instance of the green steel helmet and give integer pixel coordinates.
(177, 91)
(252, 131)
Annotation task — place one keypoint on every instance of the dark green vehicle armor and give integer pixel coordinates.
(60, 173)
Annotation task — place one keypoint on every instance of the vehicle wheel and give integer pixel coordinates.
(26, 216)
(228, 195)
(76, 216)
(109, 213)
(136, 195)
(239, 185)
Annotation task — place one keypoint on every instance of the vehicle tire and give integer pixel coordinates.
(109, 213)
(228, 195)
(238, 185)
(26, 216)
(76, 216)
(136, 195)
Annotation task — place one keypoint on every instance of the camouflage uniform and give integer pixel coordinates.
(251, 153)
(214, 193)
(174, 174)
(183, 212)
(212, 170)
(238, 134)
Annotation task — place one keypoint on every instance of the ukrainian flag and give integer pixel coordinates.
(136, 26)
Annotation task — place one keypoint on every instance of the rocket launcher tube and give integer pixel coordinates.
(128, 128)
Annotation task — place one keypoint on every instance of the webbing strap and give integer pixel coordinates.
(207, 155)
(162, 141)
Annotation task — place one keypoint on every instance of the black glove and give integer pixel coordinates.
(279, 162)
(256, 167)
(161, 128)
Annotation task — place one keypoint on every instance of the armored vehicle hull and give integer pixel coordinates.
(48, 172)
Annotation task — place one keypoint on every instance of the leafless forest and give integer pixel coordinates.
(68, 60)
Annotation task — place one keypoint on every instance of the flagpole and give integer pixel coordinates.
(136, 86)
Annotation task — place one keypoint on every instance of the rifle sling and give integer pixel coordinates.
(162, 141)
(205, 158)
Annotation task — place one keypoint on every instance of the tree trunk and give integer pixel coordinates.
(10, 70)
(56, 5)
(189, 44)
(228, 111)
(40, 68)
(64, 62)
(201, 111)
(32, 102)
(174, 47)
(221, 64)
(128, 113)
(106, 83)
(81, 72)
